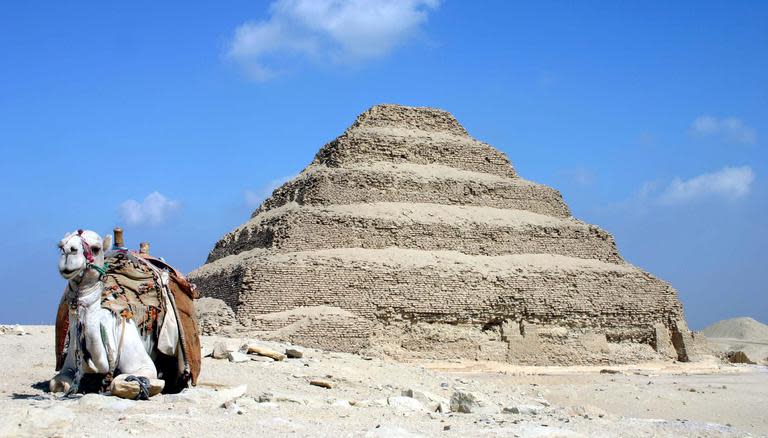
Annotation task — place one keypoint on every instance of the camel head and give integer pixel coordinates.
(81, 252)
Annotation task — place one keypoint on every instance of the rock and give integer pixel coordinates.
(206, 351)
(432, 402)
(294, 353)
(238, 357)
(406, 404)
(264, 359)
(220, 350)
(321, 383)
(339, 403)
(233, 407)
(18, 330)
(524, 409)
(739, 357)
(263, 351)
(472, 403)
(608, 371)
(130, 390)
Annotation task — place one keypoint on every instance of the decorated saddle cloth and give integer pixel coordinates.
(133, 290)
(157, 297)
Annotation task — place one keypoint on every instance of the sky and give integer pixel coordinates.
(175, 119)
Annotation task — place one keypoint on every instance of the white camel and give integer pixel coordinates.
(99, 341)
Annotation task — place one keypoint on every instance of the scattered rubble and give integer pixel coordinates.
(321, 383)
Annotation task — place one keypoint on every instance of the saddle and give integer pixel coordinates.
(146, 289)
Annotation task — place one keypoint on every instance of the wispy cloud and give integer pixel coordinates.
(254, 198)
(154, 210)
(325, 31)
(579, 176)
(729, 128)
(726, 183)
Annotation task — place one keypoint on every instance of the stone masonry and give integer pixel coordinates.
(406, 237)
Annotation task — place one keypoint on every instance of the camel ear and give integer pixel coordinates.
(106, 244)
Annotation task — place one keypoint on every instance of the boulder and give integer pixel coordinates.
(321, 383)
(406, 404)
(472, 403)
(432, 402)
(739, 357)
(260, 350)
(220, 350)
(238, 357)
(294, 353)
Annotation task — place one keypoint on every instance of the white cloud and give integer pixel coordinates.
(254, 198)
(154, 210)
(325, 30)
(728, 183)
(580, 176)
(729, 128)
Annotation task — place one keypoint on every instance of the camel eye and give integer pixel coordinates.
(95, 249)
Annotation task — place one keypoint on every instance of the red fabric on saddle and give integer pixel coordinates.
(183, 295)
(62, 326)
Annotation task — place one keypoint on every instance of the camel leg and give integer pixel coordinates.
(63, 381)
(134, 361)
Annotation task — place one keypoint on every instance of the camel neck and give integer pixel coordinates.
(86, 296)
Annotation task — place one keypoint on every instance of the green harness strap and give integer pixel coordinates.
(102, 270)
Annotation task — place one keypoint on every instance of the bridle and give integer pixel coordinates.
(89, 258)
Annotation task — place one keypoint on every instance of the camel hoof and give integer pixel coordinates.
(60, 384)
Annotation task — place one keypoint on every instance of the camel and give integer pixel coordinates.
(101, 342)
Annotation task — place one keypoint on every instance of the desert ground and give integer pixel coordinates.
(275, 398)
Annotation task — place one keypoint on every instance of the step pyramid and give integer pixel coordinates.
(407, 237)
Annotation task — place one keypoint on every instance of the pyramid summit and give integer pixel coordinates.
(407, 237)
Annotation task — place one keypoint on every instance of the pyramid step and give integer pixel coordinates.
(394, 284)
(471, 230)
(394, 145)
(389, 182)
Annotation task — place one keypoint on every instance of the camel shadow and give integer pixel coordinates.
(41, 386)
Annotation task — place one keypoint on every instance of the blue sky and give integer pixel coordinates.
(174, 118)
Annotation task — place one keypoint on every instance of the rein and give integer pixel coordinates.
(88, 253)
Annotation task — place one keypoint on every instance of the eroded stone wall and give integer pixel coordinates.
(407, 237)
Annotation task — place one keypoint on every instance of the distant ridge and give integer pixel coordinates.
(744, 328)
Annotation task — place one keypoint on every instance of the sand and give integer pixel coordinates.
(708, 399)
(740, 334)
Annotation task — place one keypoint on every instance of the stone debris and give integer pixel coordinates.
(472, 403)
(432, 402)
(404, 226)
(739, 357)
(260, 350)
(15, 329)
(406, 404)
(220, 350)
(294, 353)
(238, 357)
(524, 409)
(321, 383)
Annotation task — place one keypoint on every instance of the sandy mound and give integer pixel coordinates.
(744, 328)
(740, 334)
